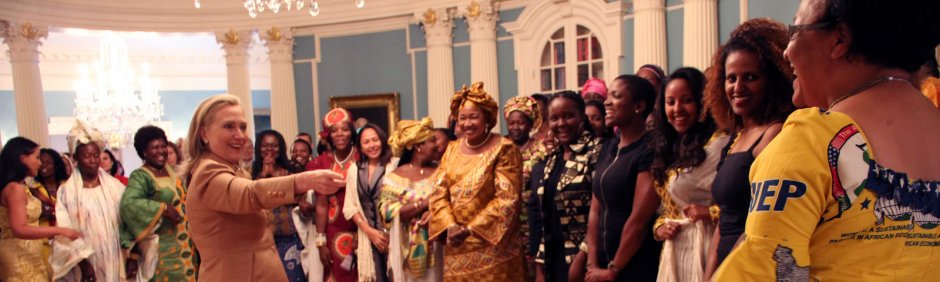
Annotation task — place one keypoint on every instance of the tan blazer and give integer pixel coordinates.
(228, 222)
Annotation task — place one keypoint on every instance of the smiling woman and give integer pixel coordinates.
(475, 205)
(226, 209)
(155, 193)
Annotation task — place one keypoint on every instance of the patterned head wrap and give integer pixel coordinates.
(409, 134)
(527, 106)
(478, 97)
(333, 117)
(81, 135)
(594, 85)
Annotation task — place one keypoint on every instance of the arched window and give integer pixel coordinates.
(569, 61)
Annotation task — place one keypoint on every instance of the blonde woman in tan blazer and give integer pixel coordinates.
(225, 207)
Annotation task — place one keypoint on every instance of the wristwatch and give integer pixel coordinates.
(613, 267)
(321, 240)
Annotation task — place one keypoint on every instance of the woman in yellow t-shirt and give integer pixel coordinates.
(848, 191)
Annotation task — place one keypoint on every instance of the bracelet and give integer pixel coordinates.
(321, 240)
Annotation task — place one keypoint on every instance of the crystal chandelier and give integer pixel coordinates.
(112, 98)
(255, 7)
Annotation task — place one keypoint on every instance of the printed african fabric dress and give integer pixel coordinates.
(340, 232)
(481, 192)
(142, 206)
(47, 217)
(823, 209)
(288, 242)
(412, 257)
(560, 205)
(22, 260)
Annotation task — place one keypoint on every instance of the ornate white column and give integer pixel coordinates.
(700, 32)
(24, 40)
(649, 36)
(236, 45)
(743, 12)
(481, 19)
(438, 25)
(283, 98)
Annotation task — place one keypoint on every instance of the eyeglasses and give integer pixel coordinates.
(793, 29)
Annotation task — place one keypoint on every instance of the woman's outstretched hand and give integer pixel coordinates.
(322, 181)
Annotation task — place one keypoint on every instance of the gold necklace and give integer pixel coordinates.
(467, 142)
(866, 86)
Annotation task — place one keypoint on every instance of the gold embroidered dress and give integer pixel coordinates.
(481, 192)
(22, 260)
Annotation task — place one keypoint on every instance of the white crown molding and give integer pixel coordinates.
(214, 15)
(353, 28)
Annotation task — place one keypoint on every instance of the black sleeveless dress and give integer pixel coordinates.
(731, 190)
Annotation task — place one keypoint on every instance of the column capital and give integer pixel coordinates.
(643, 5)
(236, 45)
(280, 43)
(481, 18)
(438, 25)
(23, 39)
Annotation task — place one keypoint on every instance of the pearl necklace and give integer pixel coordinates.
(342, 163)
(866, 86)
(467, 142)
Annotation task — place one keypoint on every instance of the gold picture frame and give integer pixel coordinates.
(381, 109)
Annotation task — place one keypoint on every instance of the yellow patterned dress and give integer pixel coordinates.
(21, 260)
(482, 192)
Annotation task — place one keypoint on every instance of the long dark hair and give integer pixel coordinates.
(115, 164)
(281, 160)
(58, 165)
(11, 168)
(386, 154)
(670, 150)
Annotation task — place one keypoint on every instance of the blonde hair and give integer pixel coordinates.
(195, 147)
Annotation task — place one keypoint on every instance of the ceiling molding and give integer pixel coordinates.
(215, 15)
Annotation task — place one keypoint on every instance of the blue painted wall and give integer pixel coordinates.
(508, 82)
(303, 88)
(365, 64)
(674, 20)
(729, 16)
(780, 10)
(421, 85)
(178, 105)
(626, 62)
(462, 67)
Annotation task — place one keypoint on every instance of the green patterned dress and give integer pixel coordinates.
(142, 206)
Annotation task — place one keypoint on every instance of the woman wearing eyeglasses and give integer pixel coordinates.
(849, 188)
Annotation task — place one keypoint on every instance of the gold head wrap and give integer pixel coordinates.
(81, 135)
(527, 106)
(478, 96)
(409, 134)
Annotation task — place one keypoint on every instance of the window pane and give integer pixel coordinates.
(582, 49)
(582, 74)
(546, 55)
(583, 30)
(559, 34)
(559, 78)
(595, 48)
(559, 53)
(546, 79)
(597, 70)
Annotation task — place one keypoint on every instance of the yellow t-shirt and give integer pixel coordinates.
(822, 209)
